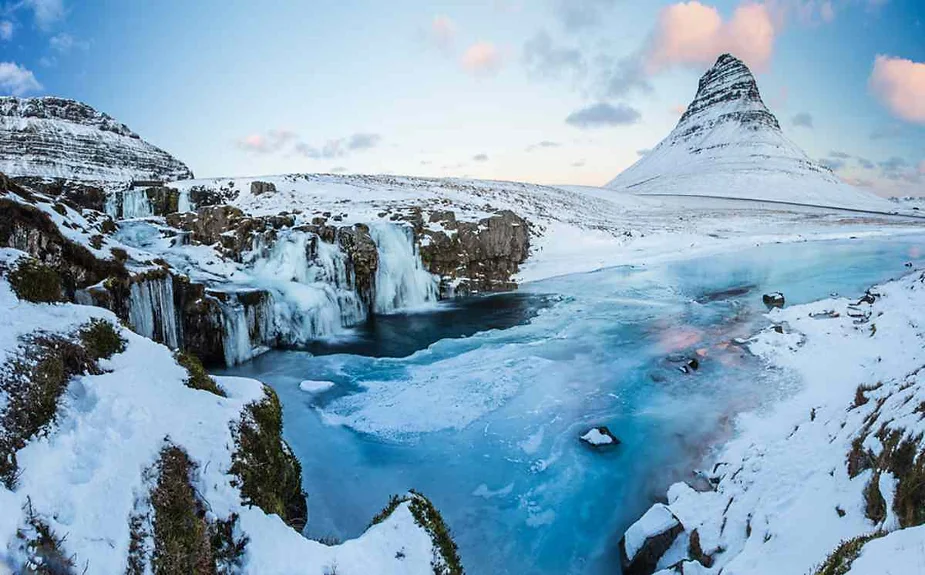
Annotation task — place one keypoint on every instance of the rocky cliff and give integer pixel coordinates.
(59, 138)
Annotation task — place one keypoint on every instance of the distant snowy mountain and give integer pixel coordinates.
(728, 144)
(59, 138)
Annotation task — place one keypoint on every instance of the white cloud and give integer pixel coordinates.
(63, 43)
(6, 30)
(268, 143)
(46, 12)
(603, 115)
(16, 80)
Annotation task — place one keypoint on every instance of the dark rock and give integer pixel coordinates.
(363, 258)
(658, 529)
(480, 257)
(773, 300)
(259, 188)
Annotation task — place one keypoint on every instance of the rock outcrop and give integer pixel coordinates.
(59, 138)
(473, 257)
(648, 539)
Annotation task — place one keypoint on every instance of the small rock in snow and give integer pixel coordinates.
(648, 539)
(773, 300)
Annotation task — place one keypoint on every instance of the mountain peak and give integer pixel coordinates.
(53, 137)
(730, 89)
(727, 143)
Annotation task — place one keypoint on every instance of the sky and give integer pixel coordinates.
(545, 91)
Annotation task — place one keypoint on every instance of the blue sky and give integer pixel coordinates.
(549, 91)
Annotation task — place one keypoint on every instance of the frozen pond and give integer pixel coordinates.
(479, 404)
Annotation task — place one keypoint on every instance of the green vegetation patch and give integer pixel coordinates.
(100, 339)
(267, 473)
(198, 377)
(446, 559)
(839, 561)
(34, 281)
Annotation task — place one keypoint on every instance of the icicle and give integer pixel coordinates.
(151, 311)
(247, 329)
(401, 280)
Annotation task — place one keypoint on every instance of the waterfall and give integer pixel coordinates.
(313, 287)
(152, 312)
(128, 204)
(184, 204)
(247, 322)
(401, 280)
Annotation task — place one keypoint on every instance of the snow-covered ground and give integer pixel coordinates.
(786, 495)
(83, 476)
(574, 229)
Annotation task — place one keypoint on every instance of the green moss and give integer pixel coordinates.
(227, 549)
(268, 474)
(447, 562)
(908, 466)
(839, 561)
(100, 339)
(181, 532)
(394, 502)
(36, 282)
(198, 378)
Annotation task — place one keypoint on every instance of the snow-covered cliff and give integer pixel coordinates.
(59, 138)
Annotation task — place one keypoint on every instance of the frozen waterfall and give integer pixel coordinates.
(135, 204)
(152, 312)
(401, 280)
(248, 328)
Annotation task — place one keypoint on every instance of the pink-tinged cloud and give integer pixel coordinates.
(443, 32)
(272, 141)
(922, 168)
(899, 84)
(694, 34)
(481, 58)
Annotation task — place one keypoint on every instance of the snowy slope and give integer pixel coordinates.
(573, 228)
(728, 144)
(788, 490)
(85, 474)
(58, 138)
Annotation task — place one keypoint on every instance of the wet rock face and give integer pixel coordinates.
(229, 228)
(78, 195)
(478, 257)
(59, 138)
(647, 540)
(29, 229)
(363, 257)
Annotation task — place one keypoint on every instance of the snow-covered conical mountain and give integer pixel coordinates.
(59, 138)
(728, 144)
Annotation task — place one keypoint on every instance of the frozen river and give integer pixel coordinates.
(479, 404)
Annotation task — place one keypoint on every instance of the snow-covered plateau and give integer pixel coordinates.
(547, 364)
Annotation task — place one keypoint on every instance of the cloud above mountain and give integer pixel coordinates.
(694, 34)
(481, 58)
(17, 80)
(899, 84)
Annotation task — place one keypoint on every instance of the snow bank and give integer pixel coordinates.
(791, 486)
(84, 476)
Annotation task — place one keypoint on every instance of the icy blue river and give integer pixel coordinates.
(479, 404)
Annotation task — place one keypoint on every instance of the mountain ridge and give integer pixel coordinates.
(60, 138)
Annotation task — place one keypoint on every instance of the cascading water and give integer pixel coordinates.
(401, 280)
(184, 204)
(152, 312)
(134, 204)
(247, 325)
(313, 287)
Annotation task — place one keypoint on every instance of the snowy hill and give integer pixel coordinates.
(728, 144)
(60, 138)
